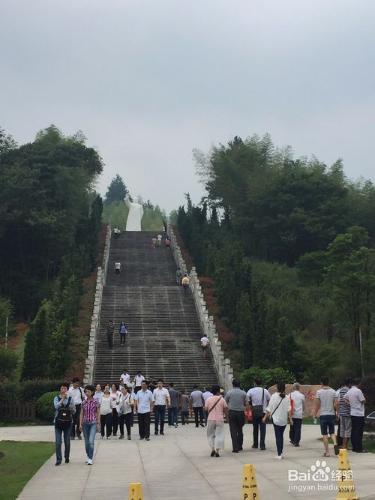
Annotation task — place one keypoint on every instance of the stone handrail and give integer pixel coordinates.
(95, 318)
(222, 365)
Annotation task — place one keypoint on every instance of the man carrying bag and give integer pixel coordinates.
(65, 409)
(258, 398)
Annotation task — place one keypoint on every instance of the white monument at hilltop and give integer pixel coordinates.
(135, 215)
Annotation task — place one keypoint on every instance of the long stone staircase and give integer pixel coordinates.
(164, 331)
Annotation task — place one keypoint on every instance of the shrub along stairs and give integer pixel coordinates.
(164, 330)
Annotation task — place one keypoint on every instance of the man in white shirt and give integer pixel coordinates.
(258, 399)
(78, 396)
(357, 402)
(138, 379)
(117, 267)
(297, 401)
(144, 405)
(161, 402)
(125, 378)
(204, 344)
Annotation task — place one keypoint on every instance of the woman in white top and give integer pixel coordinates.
(279, 409)
(106, 408)
(125, 409)
(115, 396)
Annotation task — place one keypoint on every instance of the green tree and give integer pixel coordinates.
(37, 346)
(351, 276)
(45, 192)
(8, 363)
(117, 191)
(58, 357)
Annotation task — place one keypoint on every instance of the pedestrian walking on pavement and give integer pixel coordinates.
(115, 396)
(64, 411)
(357, 402)
(325, 404)
(344, 428)
(237, 402)
(125, 408)
(106, 408)
(162, 402)
(297, 400)
(110, 330)
(279, 408)
(184, 407)
(217, 409)
(174, 405)
(144, 403)
(258, 400)
(206, 394)
(78, 396)
(90, 421)
(197, 405)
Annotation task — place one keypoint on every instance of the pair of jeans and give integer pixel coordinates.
(236, 423)
(144, 420)
(58, 442)
(75, 427)
(357, 433)
(279, 436)
(126, 418)
(198, 415)
(295, 431)
(106, 423)
(173, 415)
(89, 432)
(258, 425)
(159, 417)
(122, 338)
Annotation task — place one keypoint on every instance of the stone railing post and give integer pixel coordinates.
(95, 318)
(222, 365)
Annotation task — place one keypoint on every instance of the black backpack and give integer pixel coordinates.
(64, 416)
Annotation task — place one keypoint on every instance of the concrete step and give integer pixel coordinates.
(164, 330)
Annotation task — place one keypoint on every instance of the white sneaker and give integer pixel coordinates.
(279, 457)
(89, 461)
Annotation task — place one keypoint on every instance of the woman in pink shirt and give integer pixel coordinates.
(89, 421)
(216, 409)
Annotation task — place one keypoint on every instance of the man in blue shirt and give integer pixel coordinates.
(144, 404)
(64, 411)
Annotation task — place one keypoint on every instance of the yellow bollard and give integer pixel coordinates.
(343, 460)
(249, 483)
(346, 488)
(135, 491)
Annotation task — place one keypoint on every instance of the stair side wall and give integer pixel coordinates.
(222, 365)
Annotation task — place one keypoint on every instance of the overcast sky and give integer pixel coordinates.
(149, 80)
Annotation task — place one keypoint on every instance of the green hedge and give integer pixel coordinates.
(29, 390)
(268, 376)
(44, 406)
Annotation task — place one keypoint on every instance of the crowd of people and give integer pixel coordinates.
(111, 408)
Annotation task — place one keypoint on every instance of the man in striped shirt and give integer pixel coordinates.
(343, 411)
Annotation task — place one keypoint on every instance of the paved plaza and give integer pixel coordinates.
(178, 466)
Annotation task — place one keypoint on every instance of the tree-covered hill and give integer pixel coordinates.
(290, 246)
(50, 218)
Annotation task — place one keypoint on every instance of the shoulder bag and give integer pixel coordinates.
(257, 410)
